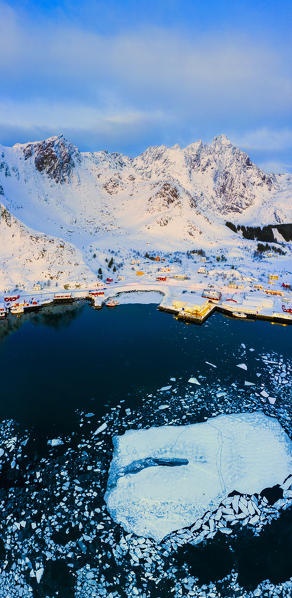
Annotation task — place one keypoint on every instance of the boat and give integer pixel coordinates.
(238, 314)
(112, 303)
(17, 309)
(2, 311)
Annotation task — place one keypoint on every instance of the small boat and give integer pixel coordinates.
(238, 314)
(112, 303)
(16, 309)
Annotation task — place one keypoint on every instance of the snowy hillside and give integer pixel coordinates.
(169, 198)
(27, 256)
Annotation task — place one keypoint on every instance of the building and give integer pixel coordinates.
(212, 294)
(272, 292)
(200, 308)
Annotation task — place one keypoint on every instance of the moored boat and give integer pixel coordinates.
(17, 309)
(112, 303)
(238, 314)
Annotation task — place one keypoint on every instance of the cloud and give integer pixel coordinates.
(156, 84)
(265, 139)
(273, 166)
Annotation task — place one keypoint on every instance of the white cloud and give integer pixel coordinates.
(146, 68)
(274, 166)
(265, 139)
(156, 85)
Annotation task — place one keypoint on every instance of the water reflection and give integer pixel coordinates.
(56, 316)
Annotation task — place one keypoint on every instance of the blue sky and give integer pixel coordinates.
(124, 74)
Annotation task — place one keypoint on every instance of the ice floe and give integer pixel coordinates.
(152, 491)
(194, 381)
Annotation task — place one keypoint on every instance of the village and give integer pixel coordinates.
(191, 294)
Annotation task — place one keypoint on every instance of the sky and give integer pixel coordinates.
(125, 74)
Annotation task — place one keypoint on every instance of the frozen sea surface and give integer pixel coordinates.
(163, 479)
(142, 297)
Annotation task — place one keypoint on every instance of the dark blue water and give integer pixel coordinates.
(65, 360)
(69, 357)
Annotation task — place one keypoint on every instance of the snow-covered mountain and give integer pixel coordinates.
(172, 198)
(27, 256)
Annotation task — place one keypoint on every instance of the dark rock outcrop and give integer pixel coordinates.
(54, 156)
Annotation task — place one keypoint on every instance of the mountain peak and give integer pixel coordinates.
(221, 140)
(55, 156)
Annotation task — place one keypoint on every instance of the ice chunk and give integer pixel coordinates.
(211, 364)
(243, 366)
(100, 429)
(163, 388)
(194, 381)
(272, 400)
(165, 478)
(55, 442)
(39, 574)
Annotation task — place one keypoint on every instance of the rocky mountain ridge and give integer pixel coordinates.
(170, 198)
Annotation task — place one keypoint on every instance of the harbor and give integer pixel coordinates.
(188, 301)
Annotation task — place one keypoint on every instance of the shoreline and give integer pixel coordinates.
(186, 302)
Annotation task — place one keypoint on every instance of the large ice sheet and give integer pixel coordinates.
(163, 479)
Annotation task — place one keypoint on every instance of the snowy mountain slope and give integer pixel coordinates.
(28, 256)
(172, 198)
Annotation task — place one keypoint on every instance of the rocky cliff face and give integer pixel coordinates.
(55, 157)
(173, 194)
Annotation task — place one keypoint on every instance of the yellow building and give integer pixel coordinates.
(272, 292)
(178, 304)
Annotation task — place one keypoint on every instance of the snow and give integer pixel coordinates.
(244, 452)
(64, 221)
(143, 297)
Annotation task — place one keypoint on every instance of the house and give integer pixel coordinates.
(272, 292)
(199, 308)
(212, 294)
